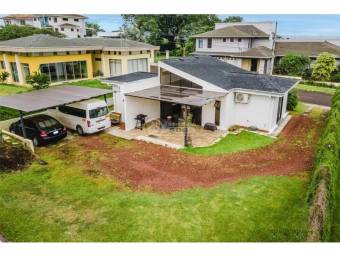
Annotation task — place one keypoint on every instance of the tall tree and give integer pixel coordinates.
(92, 29)
(13, 31)
(170, 32)
(233, 19)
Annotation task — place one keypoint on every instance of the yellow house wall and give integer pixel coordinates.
(34, 62)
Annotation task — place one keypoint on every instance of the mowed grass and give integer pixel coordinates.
(60, 202)
(313, 88)
(299, 109)
(9, 89)
(94, 83)
(245, 140)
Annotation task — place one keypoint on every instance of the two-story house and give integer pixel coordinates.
(248, 45)
(72, 25)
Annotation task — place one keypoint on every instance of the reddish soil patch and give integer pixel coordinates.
(165, 170)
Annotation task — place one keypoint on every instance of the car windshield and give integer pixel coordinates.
(46, 124)
(98, 112)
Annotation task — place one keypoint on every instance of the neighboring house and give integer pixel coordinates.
(69, 59)
(217, 92)
(248, 45)
(72, 25)
(309, 48)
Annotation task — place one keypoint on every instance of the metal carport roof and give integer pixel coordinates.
(51, 97)
(174, 94)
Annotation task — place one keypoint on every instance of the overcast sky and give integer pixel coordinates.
(288, 25)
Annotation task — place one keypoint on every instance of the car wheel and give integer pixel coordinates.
(35, 141)
(80, 130)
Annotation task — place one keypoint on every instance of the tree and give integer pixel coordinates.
(170, 32)
(293, 64)
(4, 76)
(233, 19)
(292, 100)
(92, 29)
(14, 31)
(38, 80)
(323, 67)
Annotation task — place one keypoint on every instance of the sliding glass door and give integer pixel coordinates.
(136, 65)
(65, 70)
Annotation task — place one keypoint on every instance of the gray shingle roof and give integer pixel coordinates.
(49, 42)
(311, 49)
(131, 77)
(228, 76)
(242, 31)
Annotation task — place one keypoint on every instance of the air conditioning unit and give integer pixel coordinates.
(241, 98)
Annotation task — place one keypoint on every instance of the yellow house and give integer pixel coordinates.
(72, 59)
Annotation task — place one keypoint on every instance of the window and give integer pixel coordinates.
(231, 39)
(56, 29)
(25, 69)
(224, 39)
(7, 22)
(49, 18)
(35, 19)
(72, 29)
(2, 65)
(99, 112)
(22, 22)
(77, 30)
(137, 65)
(200, 43)
(115, 67)
(55, 19)
(240, 40)
(76, 20)
(65, 19)
(73, 111)
(14, 72)
(209, 42)
(62, 29)
(64, 70)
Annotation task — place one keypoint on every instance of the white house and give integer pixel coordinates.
(248, 45)
(215, 91)
(72, 25)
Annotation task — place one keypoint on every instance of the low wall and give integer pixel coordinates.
(26, 143)
(322, 188)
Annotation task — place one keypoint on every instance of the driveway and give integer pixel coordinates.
(315, 98)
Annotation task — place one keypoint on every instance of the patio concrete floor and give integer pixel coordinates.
(173, 138)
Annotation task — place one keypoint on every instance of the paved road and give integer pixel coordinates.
(315, 98)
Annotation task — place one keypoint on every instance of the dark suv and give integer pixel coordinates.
(41, 129)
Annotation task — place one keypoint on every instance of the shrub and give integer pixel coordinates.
(98, 73)
(307, 74)
(318, 84)
(323, 67)
(38, 80)
(4, 76)
(325, 174)
(292, 100)
(293, 64)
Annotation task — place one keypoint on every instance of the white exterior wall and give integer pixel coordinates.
(135, 106)
(208, 113)
(219, 46)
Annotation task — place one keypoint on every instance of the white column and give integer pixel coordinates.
(167, 54)
(8, 68)
(152, 56)
(19, 69)
(102, 56)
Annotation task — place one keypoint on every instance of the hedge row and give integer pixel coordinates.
(319, 84)
(322, 188)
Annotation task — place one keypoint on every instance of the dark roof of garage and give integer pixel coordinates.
(51, 97)
(135, 76)
(228, 76)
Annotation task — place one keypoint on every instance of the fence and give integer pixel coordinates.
(15, 139)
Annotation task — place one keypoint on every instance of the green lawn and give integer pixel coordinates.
(312, 88)
(9, 89)
(300, 109)
(233, 143)
(59, 202)
(94, 83)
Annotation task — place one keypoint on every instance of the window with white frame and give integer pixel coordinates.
(135, 65)
(115, 67)
(200, 43)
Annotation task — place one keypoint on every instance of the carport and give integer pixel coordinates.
(49, 98)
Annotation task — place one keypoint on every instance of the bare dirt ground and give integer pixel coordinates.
(142, 165)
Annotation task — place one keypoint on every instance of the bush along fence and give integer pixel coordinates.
(321, 195)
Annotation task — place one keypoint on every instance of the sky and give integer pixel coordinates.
(288, 25)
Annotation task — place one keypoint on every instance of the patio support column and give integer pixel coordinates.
(186, 132)
(19, 70)
(7, 67)
(104, 65)
(22, 125)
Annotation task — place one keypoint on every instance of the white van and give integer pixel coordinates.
(86, 117)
